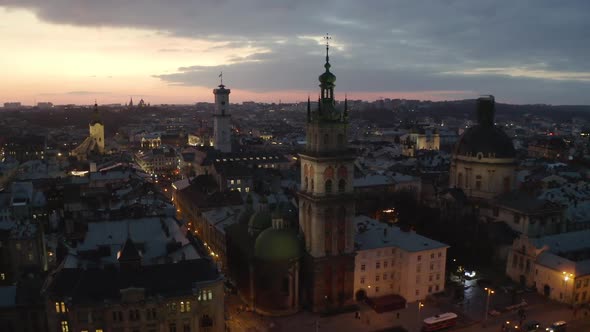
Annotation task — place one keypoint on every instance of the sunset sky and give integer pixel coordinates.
(76, 51)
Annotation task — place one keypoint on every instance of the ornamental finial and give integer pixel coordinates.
(327, 38)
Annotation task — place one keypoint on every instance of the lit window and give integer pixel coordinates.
(247, 189)
(182, 309)
(238, 181)
(64, 326)
(2, 276)
(188, 306)
(210, 294)
(231, 181)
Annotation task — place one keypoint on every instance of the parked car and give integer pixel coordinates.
(557, 327)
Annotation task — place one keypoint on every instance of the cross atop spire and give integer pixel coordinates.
(327, 38)
(221, 78)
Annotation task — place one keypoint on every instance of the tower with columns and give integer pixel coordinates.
(221, 119)
(326, 203)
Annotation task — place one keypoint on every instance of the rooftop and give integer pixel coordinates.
(100, 285)
(155, 237)
(373, 234)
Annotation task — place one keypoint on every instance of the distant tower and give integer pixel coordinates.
(97, 129)
(221, 124)
(326, 202)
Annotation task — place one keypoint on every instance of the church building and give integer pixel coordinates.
(326, 203)
(484, 160)
(94, 143)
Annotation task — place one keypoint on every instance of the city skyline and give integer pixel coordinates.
(524, 53)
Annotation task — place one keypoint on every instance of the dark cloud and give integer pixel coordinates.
(380, 45)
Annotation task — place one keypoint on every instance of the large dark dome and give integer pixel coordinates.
(487, 140)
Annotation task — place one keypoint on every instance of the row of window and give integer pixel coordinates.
(432, 265)
(419, 258)
(430, 278)
(185, 306)
(378, 277)
(327, 185)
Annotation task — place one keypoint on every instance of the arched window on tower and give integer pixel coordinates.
(306, 183)
(329, 218)
(341, 186)
(341, 229)
(308, 229)
(328, 188)
(507, 184)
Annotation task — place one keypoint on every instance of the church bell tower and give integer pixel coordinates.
(96, 129)
(221, 119)
(326, 202)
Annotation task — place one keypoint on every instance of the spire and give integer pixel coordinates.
(221, 79)
(327, 39)
(308, 109)
(345, 112)
(95, 114)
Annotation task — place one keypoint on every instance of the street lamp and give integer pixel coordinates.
(489, 291)
(420, 305)
(566, 278)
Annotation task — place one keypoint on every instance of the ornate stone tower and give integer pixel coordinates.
(97, 129)
(221, 118)
(326, 204)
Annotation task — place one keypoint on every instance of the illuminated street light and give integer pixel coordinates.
(566, 278)
(489, 292)
(420, 305)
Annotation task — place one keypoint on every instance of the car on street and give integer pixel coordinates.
(559, 326)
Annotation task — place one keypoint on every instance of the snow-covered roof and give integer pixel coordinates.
(150, 234)
(373, 180)
(223, 217)
(373, 234)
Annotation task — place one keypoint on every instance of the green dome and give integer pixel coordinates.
(277, 245)
(327, 77)
(260, 221)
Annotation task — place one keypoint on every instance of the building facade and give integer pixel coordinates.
(186, 296)
(326, 203)
(557, 266)
(392, 261)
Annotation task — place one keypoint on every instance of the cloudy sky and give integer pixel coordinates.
(75, 51)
